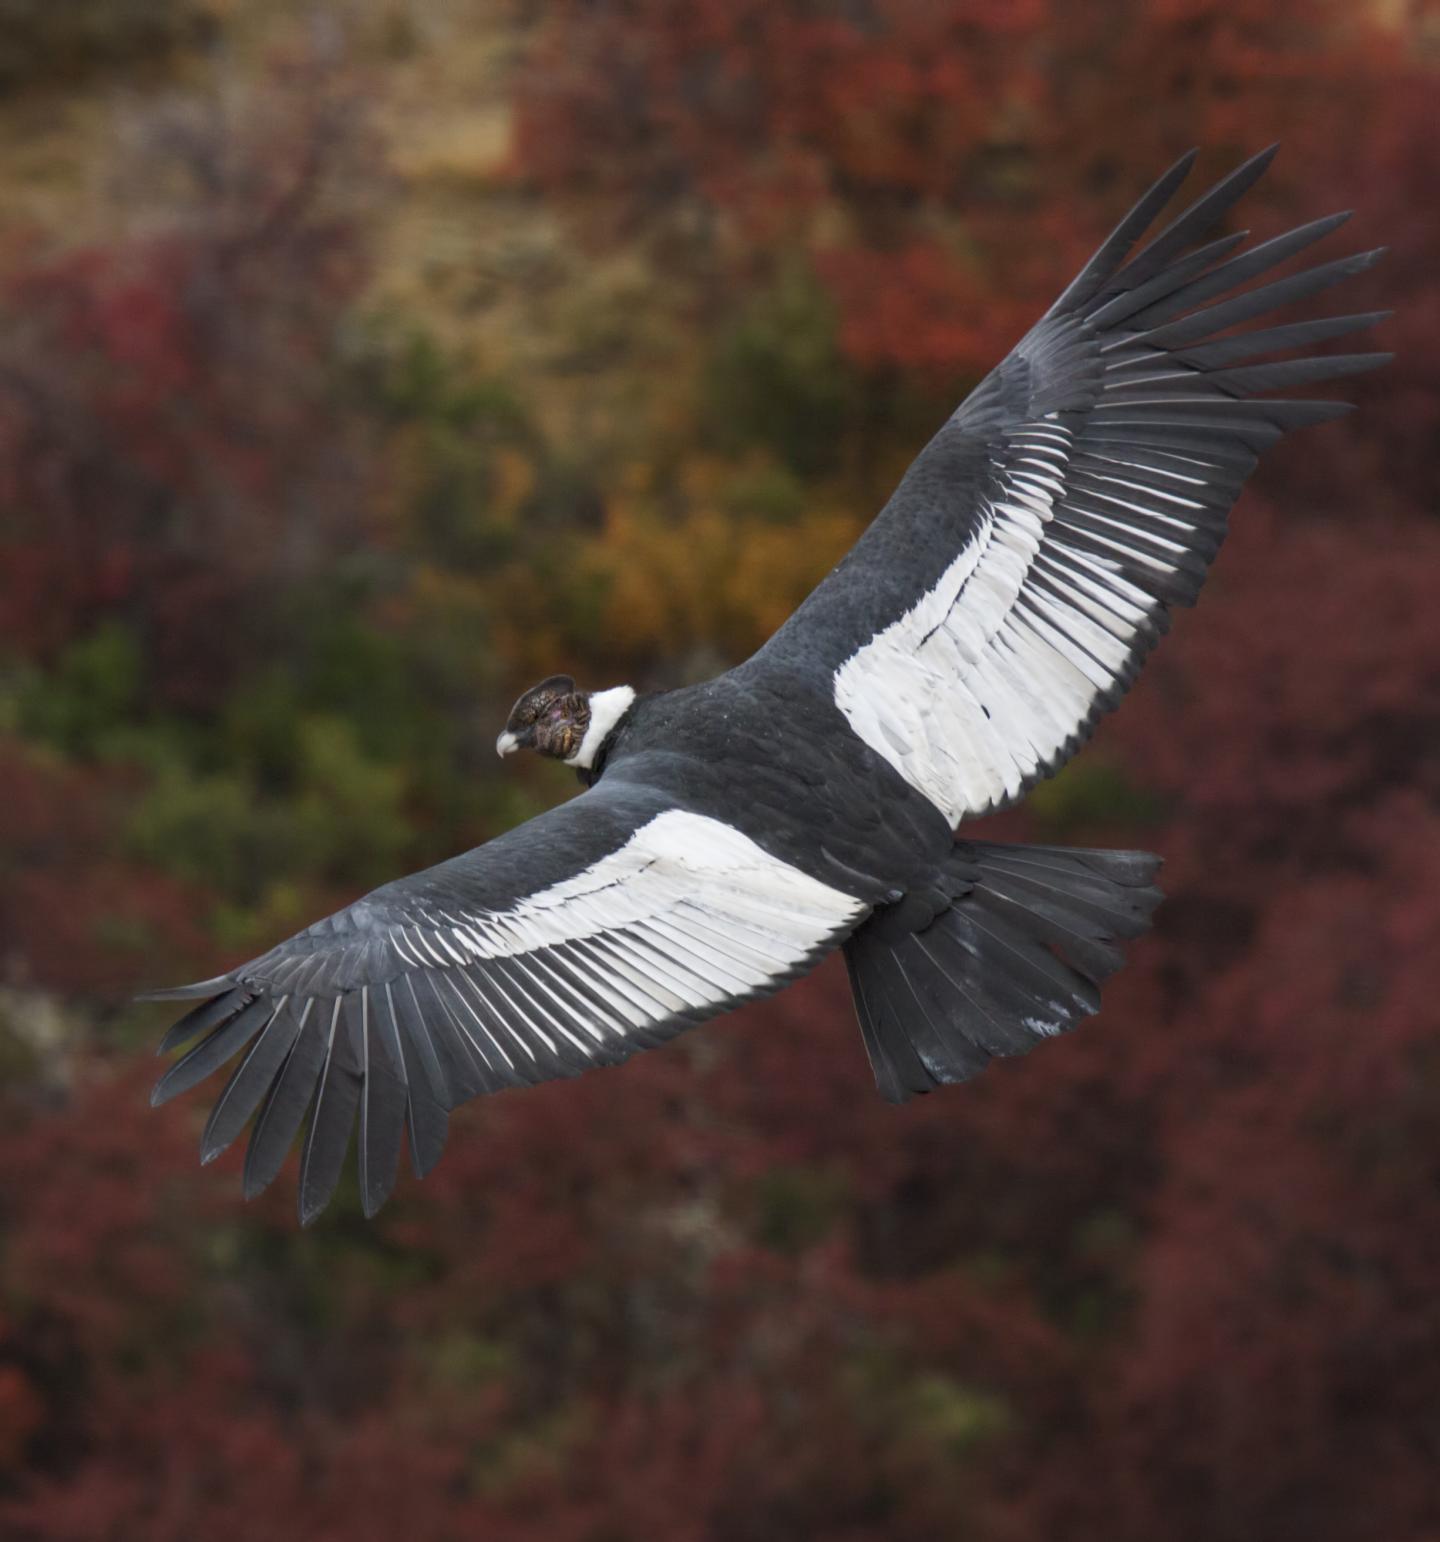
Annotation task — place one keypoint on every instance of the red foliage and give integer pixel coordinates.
(754, 103)
(164, 402)
(967, 152)
(75, 920)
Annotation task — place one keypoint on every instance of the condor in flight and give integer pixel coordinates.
(735, 832)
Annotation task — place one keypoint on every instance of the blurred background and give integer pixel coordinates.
(362, 364)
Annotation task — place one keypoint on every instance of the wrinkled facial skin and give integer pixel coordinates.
(550, 718)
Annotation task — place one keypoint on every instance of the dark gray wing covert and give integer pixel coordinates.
(602, 927)
(1009, 591)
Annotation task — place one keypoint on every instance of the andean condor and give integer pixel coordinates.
(735, 832)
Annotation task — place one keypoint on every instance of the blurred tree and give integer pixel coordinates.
(168, 440)
(932, 156)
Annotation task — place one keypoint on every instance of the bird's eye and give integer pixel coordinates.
(557, 713)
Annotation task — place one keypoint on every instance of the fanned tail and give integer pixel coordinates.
(1017, 956)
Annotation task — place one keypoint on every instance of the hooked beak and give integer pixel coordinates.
(506, 744)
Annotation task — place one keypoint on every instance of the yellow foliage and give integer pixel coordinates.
(708, 579)
(514, 483)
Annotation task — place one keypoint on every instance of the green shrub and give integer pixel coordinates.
(777, 379)
(89, 692)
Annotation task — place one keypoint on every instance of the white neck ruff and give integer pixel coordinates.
(606, 709)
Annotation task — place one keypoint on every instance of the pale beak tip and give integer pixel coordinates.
(506, 744)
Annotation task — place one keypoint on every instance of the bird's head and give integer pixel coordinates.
(558, 719)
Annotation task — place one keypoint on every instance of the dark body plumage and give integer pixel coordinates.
(815, 795)
(735, 831)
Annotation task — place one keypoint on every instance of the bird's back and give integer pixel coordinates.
(766, 750)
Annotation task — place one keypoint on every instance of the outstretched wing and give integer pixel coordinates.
(1009, 591)
(599, 928)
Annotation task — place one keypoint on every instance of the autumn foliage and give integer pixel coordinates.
(277, 550)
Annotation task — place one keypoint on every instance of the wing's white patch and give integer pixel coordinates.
(687, 915)
(992, 672)
(606, 709)
(677, 864)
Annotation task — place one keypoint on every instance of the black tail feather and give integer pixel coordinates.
(1017, 957)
